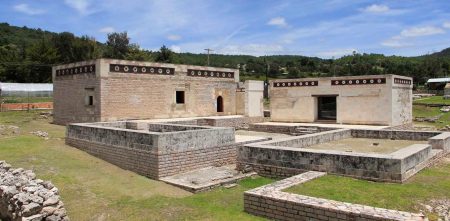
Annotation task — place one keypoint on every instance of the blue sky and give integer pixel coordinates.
(257, 27)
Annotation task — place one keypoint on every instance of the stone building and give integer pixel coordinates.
(371, 99)
(109, 89)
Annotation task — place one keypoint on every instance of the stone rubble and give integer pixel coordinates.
(8, 130)
(439, 206)
(45, 115)
(42, 134)
(25, 198)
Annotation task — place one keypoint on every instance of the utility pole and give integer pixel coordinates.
(208, 50)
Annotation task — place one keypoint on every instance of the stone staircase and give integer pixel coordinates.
(298, 131)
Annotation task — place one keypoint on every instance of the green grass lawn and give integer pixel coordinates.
(424, 111)
(93, 189)
(432, 100)
(26, 99)
(431, 183)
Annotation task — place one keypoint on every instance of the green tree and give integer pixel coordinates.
(117, 45)
(164, 55)
(137, 54)
(41, 57)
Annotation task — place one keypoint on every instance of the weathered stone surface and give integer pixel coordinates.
(270, 201)
(23, 197)
(290, 156)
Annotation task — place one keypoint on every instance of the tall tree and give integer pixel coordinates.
(41, 57)
(117, 45)
(164, 55)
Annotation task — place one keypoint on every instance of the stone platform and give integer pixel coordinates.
(286, 157)
(206, 178)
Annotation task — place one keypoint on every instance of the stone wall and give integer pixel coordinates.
(70, 92)
(312, 139)
(290, 156)
(122, 91)
(276, 161)
(270, 201)
(25, 198)
(284, 129)
(394, 134)
(173, 149)
(370, 99)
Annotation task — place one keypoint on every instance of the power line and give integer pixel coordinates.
(208, 50)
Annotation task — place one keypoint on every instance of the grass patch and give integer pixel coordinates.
(26, 99)
(432, 100)
(431, 183)
(424, 111)
(93, 189)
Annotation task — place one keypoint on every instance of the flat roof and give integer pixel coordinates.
(438, 80)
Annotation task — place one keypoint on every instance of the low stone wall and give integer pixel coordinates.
(290, 156)
(175, 149)
(283, 129)
(312, 139)
(236, 122)
(143, 162)
(441, 141)
(394, 134)
(25, 198)
(270, 201)
(275, 161)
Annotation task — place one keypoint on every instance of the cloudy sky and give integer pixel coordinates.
(257, 27)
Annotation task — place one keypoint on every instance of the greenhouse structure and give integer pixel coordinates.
(26, 90)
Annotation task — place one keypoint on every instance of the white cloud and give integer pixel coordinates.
(404, 38)
(175, 48)
(446, 24)
(80, 5)
(395, 43)
(106, 30)
(278, 21)
(336, 53)
(252, 49)
(421, 31)
(376, 8)
(25, 8)
(174, 37)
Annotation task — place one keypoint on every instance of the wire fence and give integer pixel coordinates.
(16, 96)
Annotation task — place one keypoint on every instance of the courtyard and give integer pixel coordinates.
(93, 189)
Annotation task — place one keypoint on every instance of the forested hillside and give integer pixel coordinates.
(26, 55)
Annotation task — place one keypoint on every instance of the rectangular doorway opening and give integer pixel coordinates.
(326, 108)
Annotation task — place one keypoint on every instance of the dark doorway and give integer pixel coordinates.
(219, 104)
(327, 108)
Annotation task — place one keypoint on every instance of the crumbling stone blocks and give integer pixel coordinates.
(25, 198)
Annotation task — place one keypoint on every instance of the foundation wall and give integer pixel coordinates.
(270, 201)
(272, 161)
(441, 141)
(312, 139)
(142, 162)
(281, 128)
(155, 154)
(290, 156)
(394, 134)
(182, 161)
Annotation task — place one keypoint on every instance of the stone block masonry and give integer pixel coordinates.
(25, 198)
(270, 201)
(290, 156)
(155, 150)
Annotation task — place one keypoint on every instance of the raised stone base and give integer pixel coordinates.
(270, 201)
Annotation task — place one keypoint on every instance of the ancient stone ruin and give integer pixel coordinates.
(25, 198)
